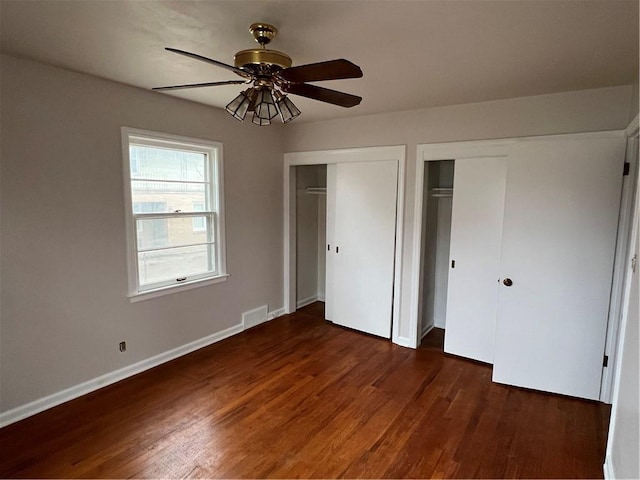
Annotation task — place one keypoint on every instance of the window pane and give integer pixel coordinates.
(198, 223)
(163, 164)
(162, 265)
(173, 196)
(172, 232)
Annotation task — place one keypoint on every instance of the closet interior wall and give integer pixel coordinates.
(436, 237)
(311, 205)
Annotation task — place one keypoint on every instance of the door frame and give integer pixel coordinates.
(500, 147)
(620, 271)
(324, 157)
(431, 152)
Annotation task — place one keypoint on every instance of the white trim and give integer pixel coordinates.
(325, 157)
(609, 473)
(275, 314)
(414, 307)
(458, 150)
(290, 258)
(159, 292)
(632, 128)
(397, 280)
(76, 391)
(620, 267)
(497, 147)
(306, 301)
(622, 328)
(404, 342)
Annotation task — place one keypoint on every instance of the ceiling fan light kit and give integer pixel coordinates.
(271, 74)
(239, 106)
(288, 111)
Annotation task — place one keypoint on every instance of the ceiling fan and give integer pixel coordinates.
(272, 78)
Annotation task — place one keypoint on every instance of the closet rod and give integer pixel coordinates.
(316, 190)
(442, 192)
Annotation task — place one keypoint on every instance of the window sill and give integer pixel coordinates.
(159, 292)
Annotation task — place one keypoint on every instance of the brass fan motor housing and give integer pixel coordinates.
(258, 56)
(263, 33)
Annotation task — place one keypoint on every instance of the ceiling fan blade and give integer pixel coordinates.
(198, 85)
(322, 94)
(315, 72)
(209, 60)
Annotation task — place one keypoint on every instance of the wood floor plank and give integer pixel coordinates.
(300, 398)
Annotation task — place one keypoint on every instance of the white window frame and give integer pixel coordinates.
(194, 227)
(213, 150)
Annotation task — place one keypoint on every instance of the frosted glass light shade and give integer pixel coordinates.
(288, 111)
(265, 107)
(260, 121)
(238, 106)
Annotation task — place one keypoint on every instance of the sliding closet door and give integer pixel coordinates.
(332, 170)
(476, 235)
(360, 260)
(560, 219)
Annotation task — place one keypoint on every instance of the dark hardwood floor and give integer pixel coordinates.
(299, 397)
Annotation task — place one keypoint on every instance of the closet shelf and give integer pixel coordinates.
(314, 190)
(442, 192)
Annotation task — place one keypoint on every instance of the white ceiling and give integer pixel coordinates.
(414, 54)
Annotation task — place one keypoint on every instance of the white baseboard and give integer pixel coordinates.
(76, 391)
(276, 313)
(609, 474)
(426, 331)
(321, 298)
(306, 301)
(404, 342)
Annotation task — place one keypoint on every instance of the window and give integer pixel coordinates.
(175, 215)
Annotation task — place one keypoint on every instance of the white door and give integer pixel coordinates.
(361, 219)
(332, 170)
(476, 236)
(560, 218)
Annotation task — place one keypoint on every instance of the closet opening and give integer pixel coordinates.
(435, 238)
(310, 214)
(356, 267)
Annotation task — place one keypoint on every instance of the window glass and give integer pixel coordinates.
(171, 232)
(176, 233)
(153, 163)
(173, 264)
(176, 196)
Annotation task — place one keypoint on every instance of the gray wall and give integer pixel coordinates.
(62, 245)
(581, 111)
(64, 277)
(633, 110)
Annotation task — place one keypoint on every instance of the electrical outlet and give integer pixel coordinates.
(122, 346)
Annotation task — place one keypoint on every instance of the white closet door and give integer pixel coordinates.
(331, 246)
(363, 247)
(476, 235)
(560, 220)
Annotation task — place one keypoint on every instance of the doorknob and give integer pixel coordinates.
(507, 282)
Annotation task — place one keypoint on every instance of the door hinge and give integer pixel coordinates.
(605, 361)
(627, 167)
(453, 264)
(634, 263)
